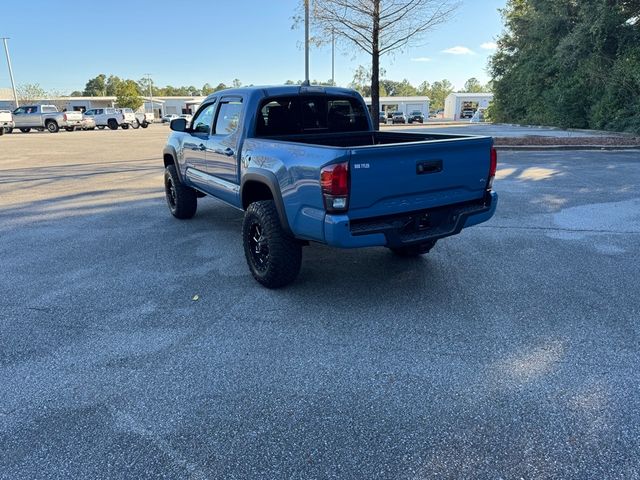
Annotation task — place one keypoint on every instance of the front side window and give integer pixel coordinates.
(228, 118)
(203, 121)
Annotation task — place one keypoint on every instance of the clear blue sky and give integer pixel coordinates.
(194, 42)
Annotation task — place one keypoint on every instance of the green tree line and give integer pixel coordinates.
(129, 92)
(569, 63)
(437, 91)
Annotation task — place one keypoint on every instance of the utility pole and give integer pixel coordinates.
(306, 42)
(13, 83)
(150, 94)
(333, 58)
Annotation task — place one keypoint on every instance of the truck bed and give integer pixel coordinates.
(365, 139)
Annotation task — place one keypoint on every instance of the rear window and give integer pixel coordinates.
(309, 114)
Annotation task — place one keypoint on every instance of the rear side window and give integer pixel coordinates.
(49, 109)
(228, 118)
(309, 114)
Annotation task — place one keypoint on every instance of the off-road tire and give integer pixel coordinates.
(25, 130)
(125, 126)
(69, 129)
(144, 124)
(181, 200)
(279, 264)
(112, 124)
(135, 125)
(8, 130)
(101, 127)
(414, 250)
(52, 126)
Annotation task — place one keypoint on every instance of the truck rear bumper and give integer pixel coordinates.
(407, 229)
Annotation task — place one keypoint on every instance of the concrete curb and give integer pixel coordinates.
(568, 147)
(577, 130)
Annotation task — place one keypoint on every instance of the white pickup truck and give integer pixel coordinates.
(6, 121)
(40, 117)
(111, 117)
(144, 119)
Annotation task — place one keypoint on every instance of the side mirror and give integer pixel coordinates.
(178, 125)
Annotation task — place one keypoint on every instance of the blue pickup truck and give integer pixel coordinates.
(306, 165)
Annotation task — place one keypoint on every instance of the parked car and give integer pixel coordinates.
(186, 116)
(40, 117)
(306, 165)
(398, 117)
(382, 117)
(110, 117)
(145, 119)
(129, 117)
(6, 122)
(415, 116)
(467, 113)
(88, 123)
(168, 118)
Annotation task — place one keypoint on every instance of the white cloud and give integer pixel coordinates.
(421, 59)
(459, 50)
(489, 46)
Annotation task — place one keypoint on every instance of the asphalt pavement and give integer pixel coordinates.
(510, 351)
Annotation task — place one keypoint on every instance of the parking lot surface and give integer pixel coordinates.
(510, 351)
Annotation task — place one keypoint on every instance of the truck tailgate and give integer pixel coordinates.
(73, 116)
(397, 178)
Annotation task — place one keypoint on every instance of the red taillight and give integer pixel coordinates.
(334, 180)
(492, 167)
(65, 117)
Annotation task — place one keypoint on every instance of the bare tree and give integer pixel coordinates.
(379, 27)
(30, 93)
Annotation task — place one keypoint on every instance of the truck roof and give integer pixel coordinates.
(278, 90)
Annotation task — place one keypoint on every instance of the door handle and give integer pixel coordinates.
(227, 151)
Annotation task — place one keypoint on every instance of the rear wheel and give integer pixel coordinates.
(135, 125)
(25, 130)
(414, 250)
(273, 256)
(182, 200)
(101, 127)
(144, 124)
(8, 130)
(69, 129)
(52, 127)
(112, 124)
(125, 126)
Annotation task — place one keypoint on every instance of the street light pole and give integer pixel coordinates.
(151, 95)
(13, 83)
(306, 42)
